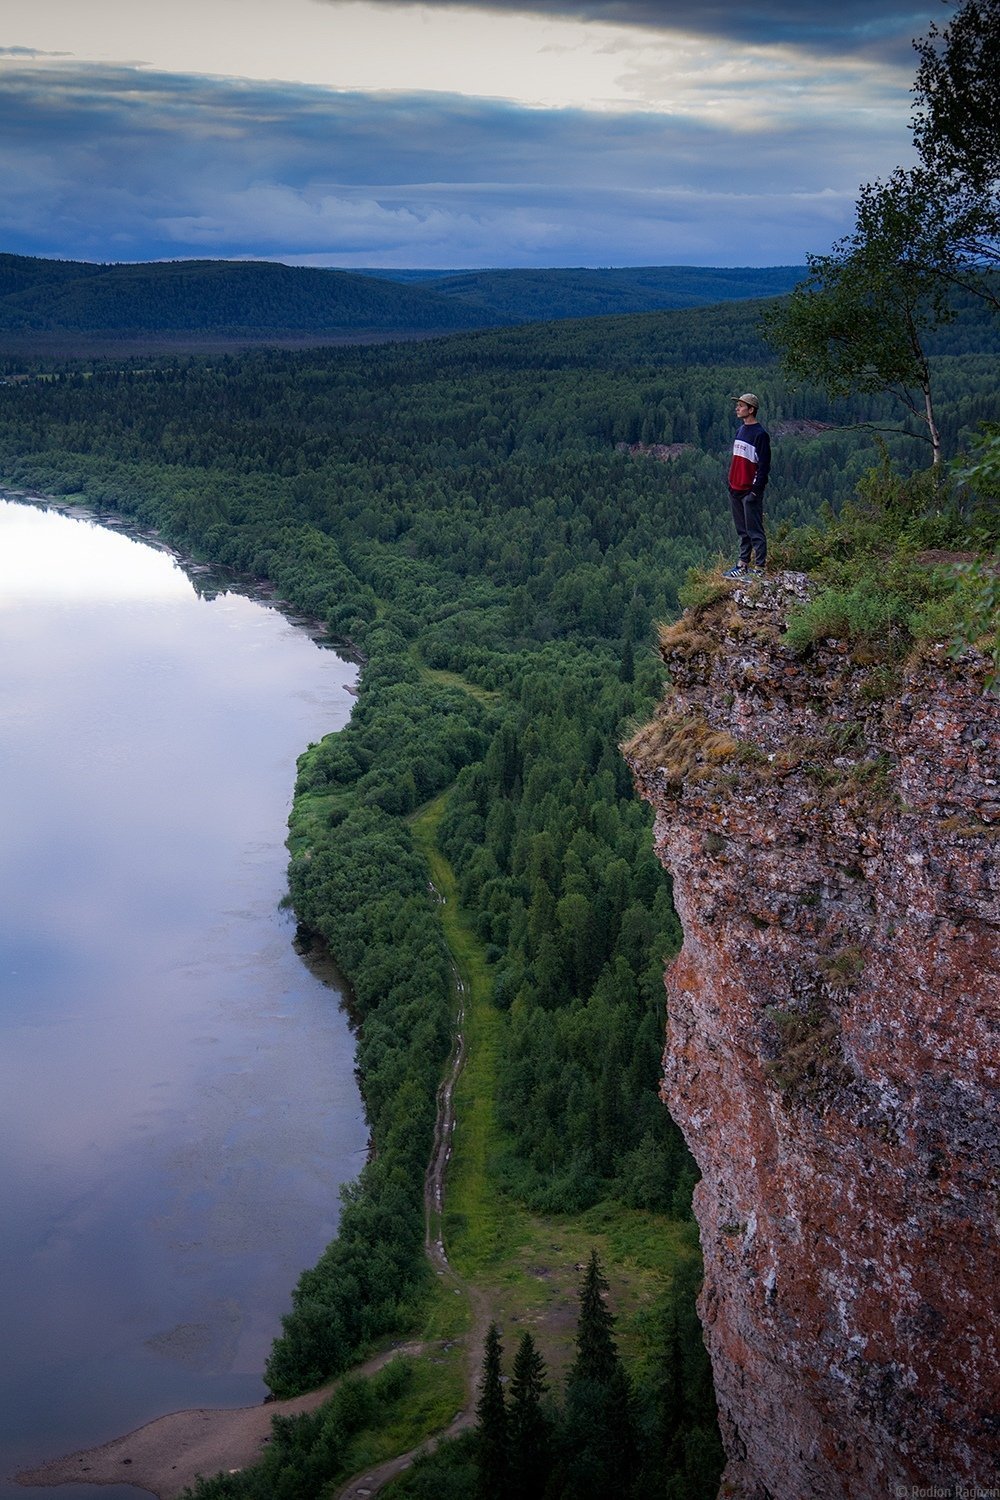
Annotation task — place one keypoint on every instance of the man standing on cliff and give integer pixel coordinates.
(748, 471)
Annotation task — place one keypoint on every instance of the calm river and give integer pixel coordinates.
(177, 1096)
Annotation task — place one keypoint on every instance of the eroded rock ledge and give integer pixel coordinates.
(832, 828)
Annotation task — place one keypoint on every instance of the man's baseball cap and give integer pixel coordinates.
(749, 399)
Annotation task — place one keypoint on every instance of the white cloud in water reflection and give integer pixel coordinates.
(83, 562)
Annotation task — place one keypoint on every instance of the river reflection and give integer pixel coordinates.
(177, 1094)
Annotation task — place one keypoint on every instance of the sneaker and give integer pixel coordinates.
(738, 571)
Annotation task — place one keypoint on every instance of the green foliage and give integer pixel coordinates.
(448, 1473)
(978, 620)
(434, 732)
(979, 476)
(924, 239)
(863, 613)
(492, 1446)
(843, 968)
(702, 588)
(958, 100)
(596, 1352)
(599, 1449)
(980, 470)
(578, 915)
(892, 572)
(364, 889)
(683, 1455)
(860, 321)
(529, 1423)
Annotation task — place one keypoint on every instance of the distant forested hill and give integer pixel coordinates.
(27, 273)
(261, 302)
(520, 296)
(232, 297)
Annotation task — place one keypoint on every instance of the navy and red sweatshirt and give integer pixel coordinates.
(751, 461)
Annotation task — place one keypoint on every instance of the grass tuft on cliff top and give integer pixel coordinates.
(910, 562)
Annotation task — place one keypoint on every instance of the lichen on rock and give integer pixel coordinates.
(832, 1055)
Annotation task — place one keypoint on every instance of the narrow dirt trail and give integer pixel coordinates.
(371, 1481)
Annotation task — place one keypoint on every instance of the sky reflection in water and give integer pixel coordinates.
(177, 1097)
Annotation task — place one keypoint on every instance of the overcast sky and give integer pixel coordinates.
(379, 133)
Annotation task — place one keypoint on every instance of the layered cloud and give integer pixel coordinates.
(872, 26)
(686, 151)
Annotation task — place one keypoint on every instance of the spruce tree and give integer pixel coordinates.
(491, 1423)
(664, 1459)
(596, 1351)
(626, 672)
(529, 1428)
(600, 1430)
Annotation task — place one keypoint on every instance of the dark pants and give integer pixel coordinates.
(748, 518)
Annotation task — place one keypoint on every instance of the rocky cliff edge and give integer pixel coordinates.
(832, 828)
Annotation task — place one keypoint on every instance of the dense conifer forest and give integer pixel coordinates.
(475, 516)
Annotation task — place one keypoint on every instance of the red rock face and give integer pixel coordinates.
(832, 1057)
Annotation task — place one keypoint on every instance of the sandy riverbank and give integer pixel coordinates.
(170, 1453)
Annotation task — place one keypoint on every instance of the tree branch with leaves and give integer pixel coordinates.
(858, 322)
